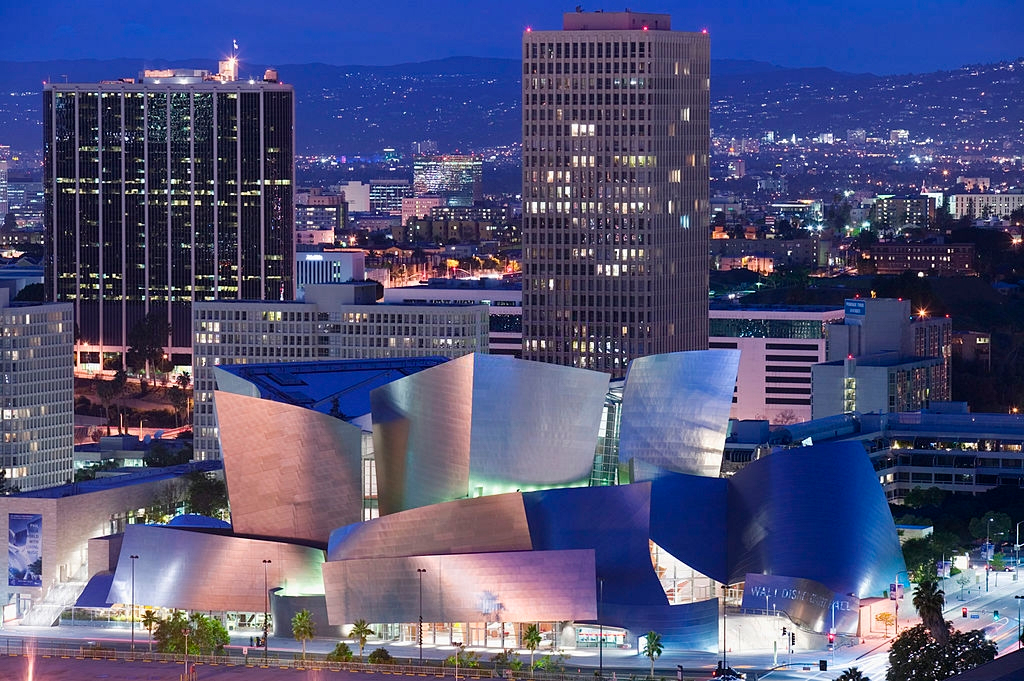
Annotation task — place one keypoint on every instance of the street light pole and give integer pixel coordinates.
(419, 629)
(988, 527)
(725, 631)
(1018, 599)
(1016, 552)
(266, 606)
(133, 558)
(896, 598)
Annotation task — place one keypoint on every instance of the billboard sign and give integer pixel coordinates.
(24, 549)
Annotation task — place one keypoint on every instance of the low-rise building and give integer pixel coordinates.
(334, 321)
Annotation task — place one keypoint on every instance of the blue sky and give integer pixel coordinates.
(893, 36)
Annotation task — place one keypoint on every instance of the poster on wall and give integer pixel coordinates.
(24, 549)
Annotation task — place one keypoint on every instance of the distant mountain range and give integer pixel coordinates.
(470, 103)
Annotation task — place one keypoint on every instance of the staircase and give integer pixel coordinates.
(58, 598)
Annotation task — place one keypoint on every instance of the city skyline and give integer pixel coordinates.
(790, 34)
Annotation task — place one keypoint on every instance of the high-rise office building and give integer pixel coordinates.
(161, 190)
(615, 190)
(455, 179)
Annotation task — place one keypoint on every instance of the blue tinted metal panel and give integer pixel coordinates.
(290, 471)
(521, 586)
(614, 522)
(688, 626)
(688, 519)
(808, 603)
(484, 424)
(675, 412)
(482, 525)
(194, 570)
(817, 513)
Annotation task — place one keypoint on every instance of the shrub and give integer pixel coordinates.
(380, 656)
(341, 653)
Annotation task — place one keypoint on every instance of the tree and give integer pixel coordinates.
(916, 656)
(997, 565)
(146, 342)
(919, 497)
(170, 633)
(531, 639)
(150, 620)
(359, 633)
(852, 674)
(653, 648)
(208, 635)
(887, 619)
(929, 600)
(341, 653)
(33, 293)
(184, 380)
(206, 496)
(179, 400)
(303, 628)
(109, 392)
(991, 525)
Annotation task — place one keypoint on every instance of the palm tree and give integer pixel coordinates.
(149, 620)
(653, 648)
(531, 639)
(303, 628)
(360, 632)
(852, 674)
(929, 600)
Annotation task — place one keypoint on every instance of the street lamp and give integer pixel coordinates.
(419, 629)
(1016, 552)
(988, 528)
(896, 597)
(266, 606)
(1018, 598)
(132, 614)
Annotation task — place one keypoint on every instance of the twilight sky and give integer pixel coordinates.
(881, 36)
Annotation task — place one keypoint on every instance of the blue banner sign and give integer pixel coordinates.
(24, 549)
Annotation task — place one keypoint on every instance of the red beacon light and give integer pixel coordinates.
(529, 29)
(704, 31)
(645, 28)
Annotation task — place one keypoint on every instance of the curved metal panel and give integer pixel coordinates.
(534, 424)
(481, 425)
(687, 626)
(194, 570)
(482, 525)
(817, 513)
(810, 604)
(689, 519)
(291, 472)
(515, 586)
(675, 412)
(614, 522)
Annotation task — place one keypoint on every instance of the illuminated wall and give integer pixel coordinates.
(291, 472)
(484, 424)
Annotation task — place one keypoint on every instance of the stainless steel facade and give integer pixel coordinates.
(512, 586)
(481, 425)
(291, 472)
(616, 142)
(193, 570)
(675, 412)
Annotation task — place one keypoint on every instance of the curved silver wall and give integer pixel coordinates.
(193, 570)
(481, 425)
(815, 513)
(291, 472)
(675, 412)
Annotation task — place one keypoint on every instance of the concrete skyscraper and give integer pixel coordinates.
(615, 190)
(160, 190)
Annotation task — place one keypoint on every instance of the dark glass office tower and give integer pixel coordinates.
(160, 190)
(615, 190)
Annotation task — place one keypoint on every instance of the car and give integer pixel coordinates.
(1006, 568)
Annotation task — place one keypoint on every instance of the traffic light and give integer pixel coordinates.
(792, 638)
(963, 612)
(995, 614)
(784, 631)
(831, 637)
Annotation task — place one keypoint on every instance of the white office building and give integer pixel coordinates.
(37, 390)
(335, 321)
